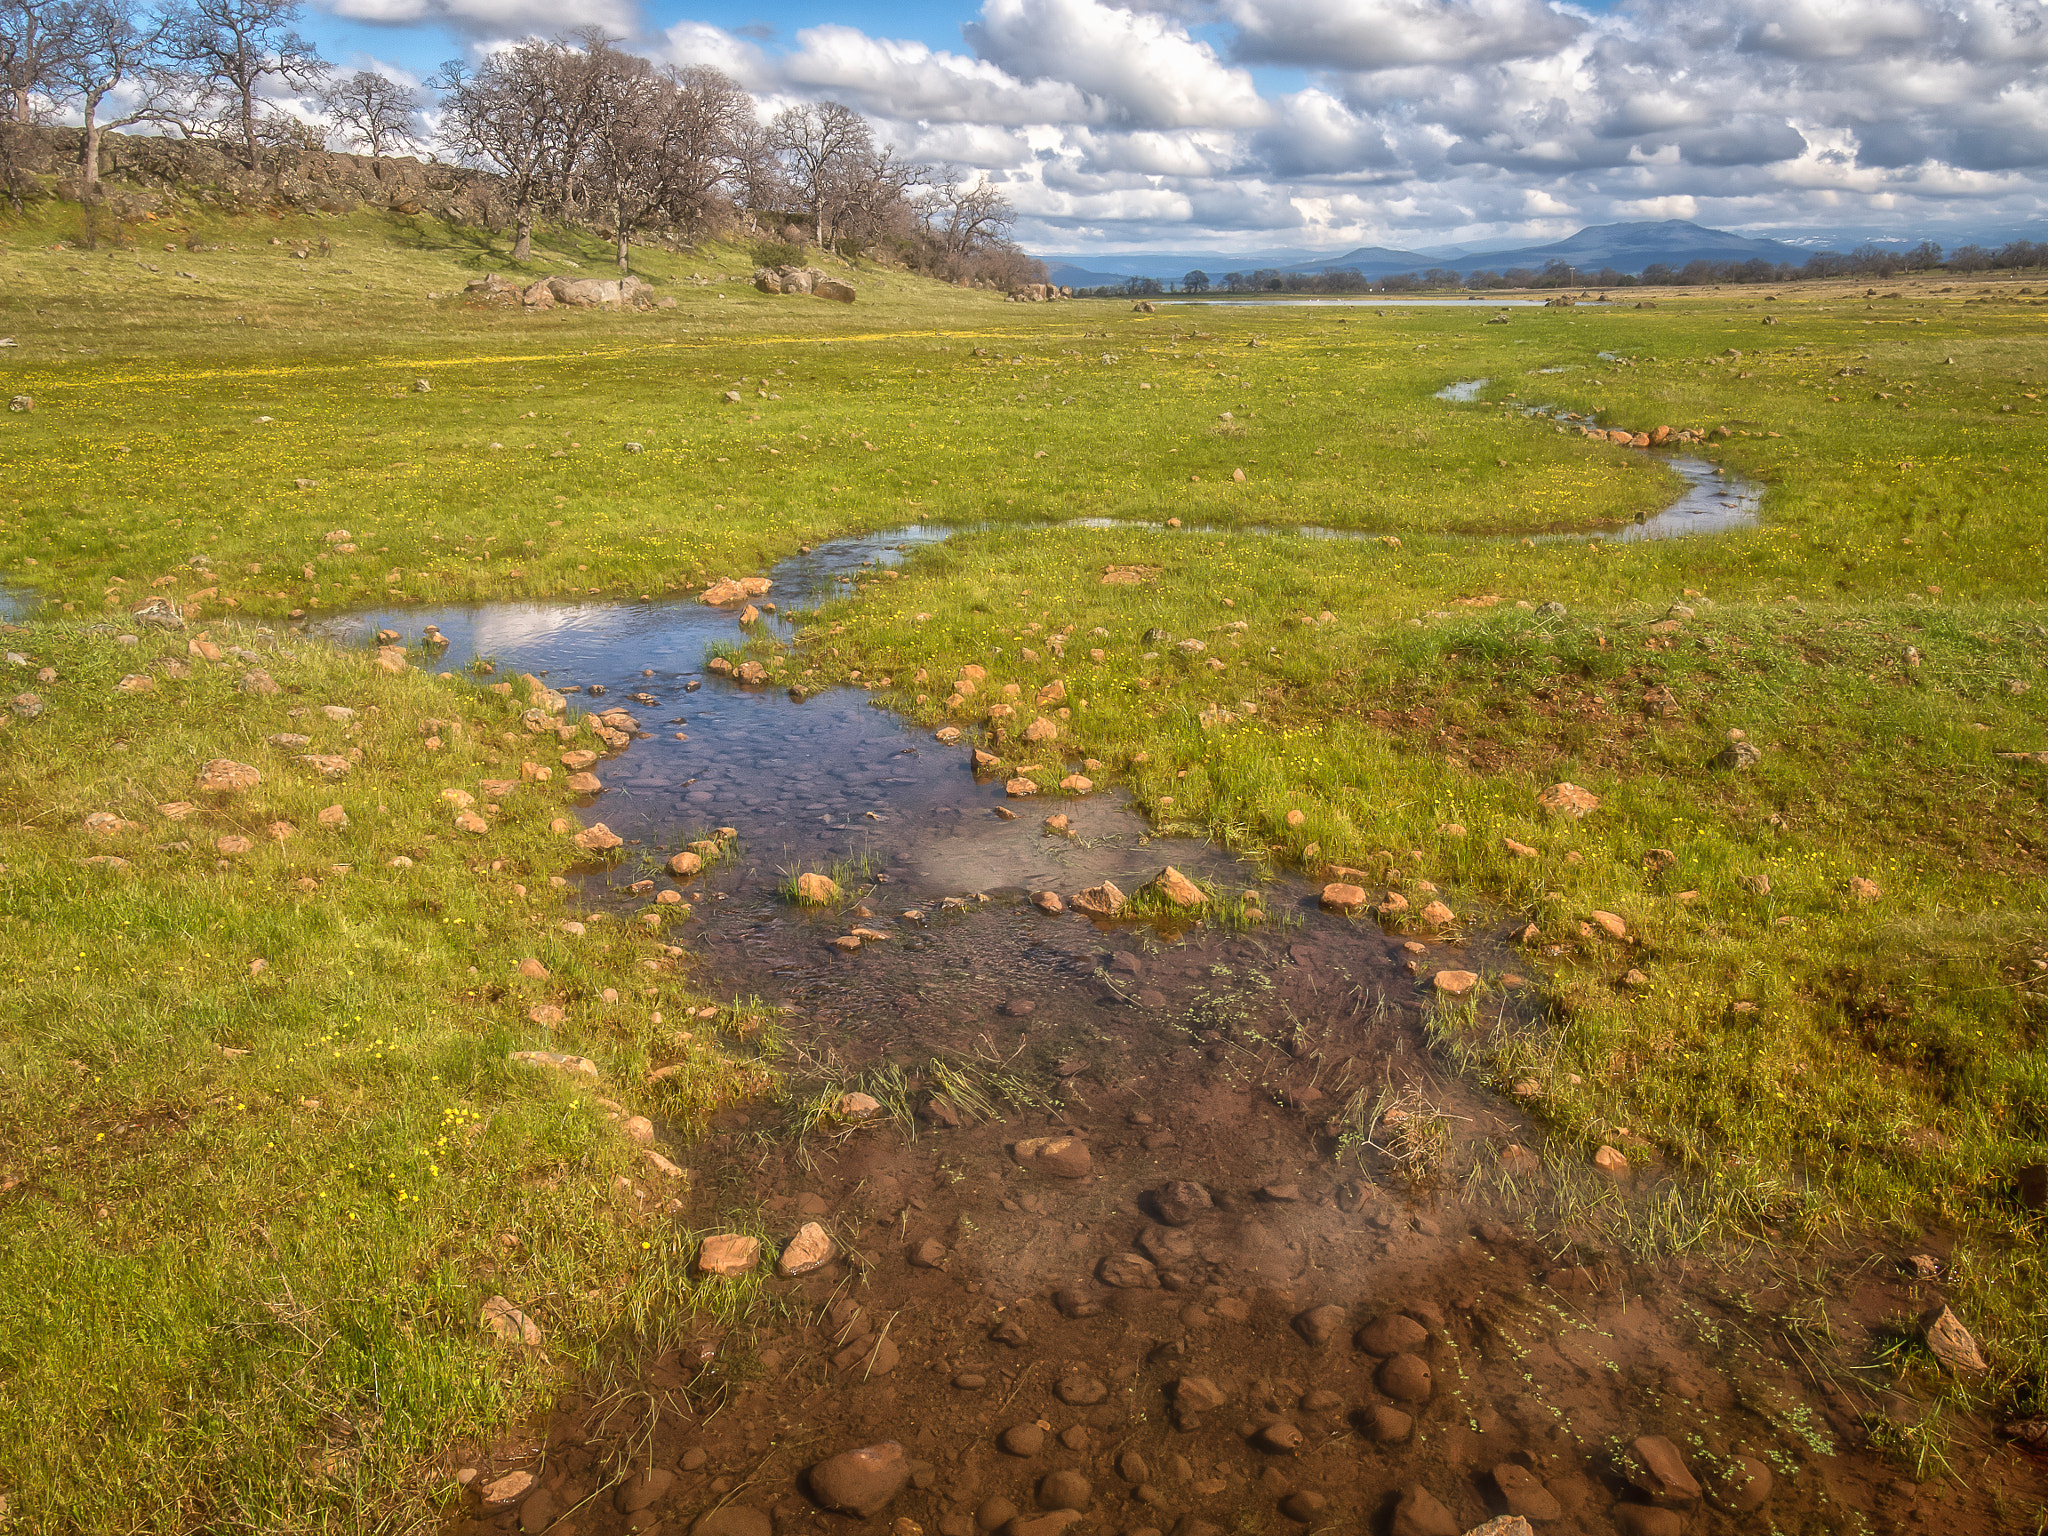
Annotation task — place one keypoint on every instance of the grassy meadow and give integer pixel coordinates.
(262, 1155)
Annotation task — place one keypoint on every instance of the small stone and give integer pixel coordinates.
(1386, 1426)
(1525, 1494)
(1180, 1202)
(1048, 901)
(861, 1482)
(1454, 983)
(1281, 1439)
(504, 1491)
(1022, 1440)
(1348, 899)
(1391, 1334)
(1568, 801)
(598, 839)
(1081, 1390)
(226, 776)
(1951, 1343)
(1321, 1324)
(1064, 1490)
(1175, 888)
(1647, 1520)
(509, 1323)
(929, 1254)
(1020, 788)
(728, 1519)
(811, 1249)
(1865, 890)
(1064, 1157)
(1609, 924)
(1420, 1513)
(1611, 1161)
(1737, 755)
(728, 1253)
(1662, 1473)
(1128, 1272)
(1303, 1506)
(1741, 1485)
(1198, 1394)
(1103, 900)
(1405, 1378)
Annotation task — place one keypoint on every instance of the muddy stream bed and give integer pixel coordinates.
(1143, 1237)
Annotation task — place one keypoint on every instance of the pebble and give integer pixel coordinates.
(1064, 1490)
(1081, 1390)
(732, 1520)
(1420, 1513)
(1303, 1506)
(1392, 1334)
(1180, 1202)
(1662, 1473)
(1405, 1378)
(861, 1482)
(811, 1249)
(1021, 1440)
(1524, 1493)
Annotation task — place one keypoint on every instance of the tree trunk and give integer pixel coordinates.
(619, 224)
(89, 162)
(522, 242)
(249, 130)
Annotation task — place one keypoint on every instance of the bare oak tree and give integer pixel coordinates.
(510, 114)
(963, 219)
(373, 109)
(35, 40)
(232, 47)
(816, 141)
(111, 47)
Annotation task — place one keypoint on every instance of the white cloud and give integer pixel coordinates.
(1438, 120)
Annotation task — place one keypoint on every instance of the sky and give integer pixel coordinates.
(1323, 125)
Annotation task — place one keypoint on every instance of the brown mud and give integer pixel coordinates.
(1375, 1298)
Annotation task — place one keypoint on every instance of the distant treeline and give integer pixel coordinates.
(1871, 261)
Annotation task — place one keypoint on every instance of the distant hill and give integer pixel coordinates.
(1624, 247)
(1067, 275)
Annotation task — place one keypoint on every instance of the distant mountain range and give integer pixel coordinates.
(1624, 247)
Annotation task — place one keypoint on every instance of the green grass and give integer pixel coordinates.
(244, 1288)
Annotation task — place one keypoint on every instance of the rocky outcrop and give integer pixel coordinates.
(1039, 293)
(803, 280)
(140, 173)
(570, 292)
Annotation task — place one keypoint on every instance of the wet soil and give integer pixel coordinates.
(1370, 1292)
(1359, 1307)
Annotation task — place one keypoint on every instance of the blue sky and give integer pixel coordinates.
(1321, 125)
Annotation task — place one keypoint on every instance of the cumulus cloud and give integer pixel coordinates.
(1434, 120)
(1140, 70)
(493, 18)
(1386, 34)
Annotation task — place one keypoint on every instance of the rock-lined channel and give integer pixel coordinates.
(1142, 1235)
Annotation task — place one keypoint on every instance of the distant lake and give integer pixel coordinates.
(1368, 302)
